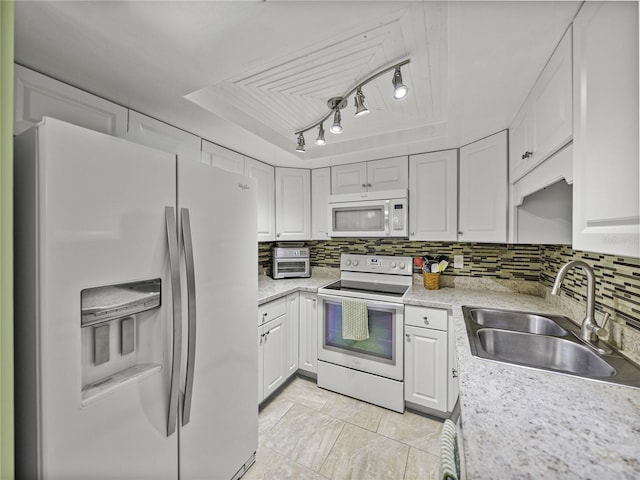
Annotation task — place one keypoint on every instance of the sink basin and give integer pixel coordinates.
(544, 352)
(545, 342)
(518, 321)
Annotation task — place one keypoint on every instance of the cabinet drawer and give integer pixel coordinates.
(272, 310)
(435, 318)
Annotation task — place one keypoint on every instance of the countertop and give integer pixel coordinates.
(519, 422)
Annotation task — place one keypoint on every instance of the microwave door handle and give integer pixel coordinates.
(387, 227)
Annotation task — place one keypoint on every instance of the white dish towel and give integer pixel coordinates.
(355, 321)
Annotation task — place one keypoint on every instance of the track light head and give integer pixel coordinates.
(336, 127)
(359, 103)
(399, 89)
(320, 140)
(300, 147)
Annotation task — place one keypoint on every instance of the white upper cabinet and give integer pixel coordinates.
(222, 158)
(545, 122)
(606, 213)
(320, 190)
(373, 176)
(433, 196)
(293, 204)
(264, 175)
(388, 174)
(154, 133)
(483, 190)
(37, 95)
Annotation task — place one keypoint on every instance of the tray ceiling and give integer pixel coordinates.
(248, 75)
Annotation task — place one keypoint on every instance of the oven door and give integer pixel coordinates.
(381, 354)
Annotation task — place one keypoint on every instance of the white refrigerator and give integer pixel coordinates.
(135, 307)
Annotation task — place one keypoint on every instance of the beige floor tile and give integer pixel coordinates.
(266, 465)
(305, 392)
(303, 435)
(415, 430)
(359, 454)
(354, 411)
(272, 413)
(294, 471)
(421, 466)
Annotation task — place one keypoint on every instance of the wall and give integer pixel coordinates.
(618, 278)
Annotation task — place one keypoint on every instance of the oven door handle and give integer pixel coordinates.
(370, 303)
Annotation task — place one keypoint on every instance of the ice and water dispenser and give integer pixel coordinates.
(121, 337)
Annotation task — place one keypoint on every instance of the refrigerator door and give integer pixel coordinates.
(92, 401)
(220, 426)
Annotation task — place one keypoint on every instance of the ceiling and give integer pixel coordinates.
(248, 75)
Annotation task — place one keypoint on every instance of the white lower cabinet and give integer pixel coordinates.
(272, 341)
(277, 343)
(429, 382)
(308, 333)
(291, 333)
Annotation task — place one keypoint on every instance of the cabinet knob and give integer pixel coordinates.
(277, 234)
(460, 233)
(454, 373)
(364, 185)
(369, 185)
(413, 233)
(408, 335)
(526, 155)
(426, 320)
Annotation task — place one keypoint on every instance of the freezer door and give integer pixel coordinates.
(92, 402)
(221, 406)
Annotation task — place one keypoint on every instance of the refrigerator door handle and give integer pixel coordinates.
(174, 263)
(191, 296)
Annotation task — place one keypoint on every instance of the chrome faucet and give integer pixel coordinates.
(589, 330)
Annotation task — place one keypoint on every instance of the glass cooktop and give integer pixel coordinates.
(367, 287)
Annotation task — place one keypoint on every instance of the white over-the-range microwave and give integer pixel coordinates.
(369, 214)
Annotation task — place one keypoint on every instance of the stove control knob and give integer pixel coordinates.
(355, 263)
(347, 262)
(402, 266)
(393, 265)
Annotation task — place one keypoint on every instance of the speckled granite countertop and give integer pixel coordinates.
(524, 423)
(270, 289)
(521, 423)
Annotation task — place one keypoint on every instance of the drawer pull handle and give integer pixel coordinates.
(426, 320)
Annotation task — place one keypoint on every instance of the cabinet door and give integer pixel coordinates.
(606, 213)
(483, 190)
(520, 144)
(453, 383)
(293, 204)
(274, 354)
(388, 174)
(320, 190)
(154, 133)
(426, 362)
(293, 317)
(264, 174)
(552, 103)
(37, 95)
(350, 178)
(222, 158)
(308, 333)
(433, 196)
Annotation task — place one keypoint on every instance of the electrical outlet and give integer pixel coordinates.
(458, 261)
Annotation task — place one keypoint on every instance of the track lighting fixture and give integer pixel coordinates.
(336, 104)
(399, 89)
(320, 140)
(359, 103)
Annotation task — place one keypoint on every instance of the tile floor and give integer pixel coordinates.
(309, 433)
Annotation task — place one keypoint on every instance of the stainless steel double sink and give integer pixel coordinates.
(546, 342)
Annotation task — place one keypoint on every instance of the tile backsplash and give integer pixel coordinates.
(617, 278)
